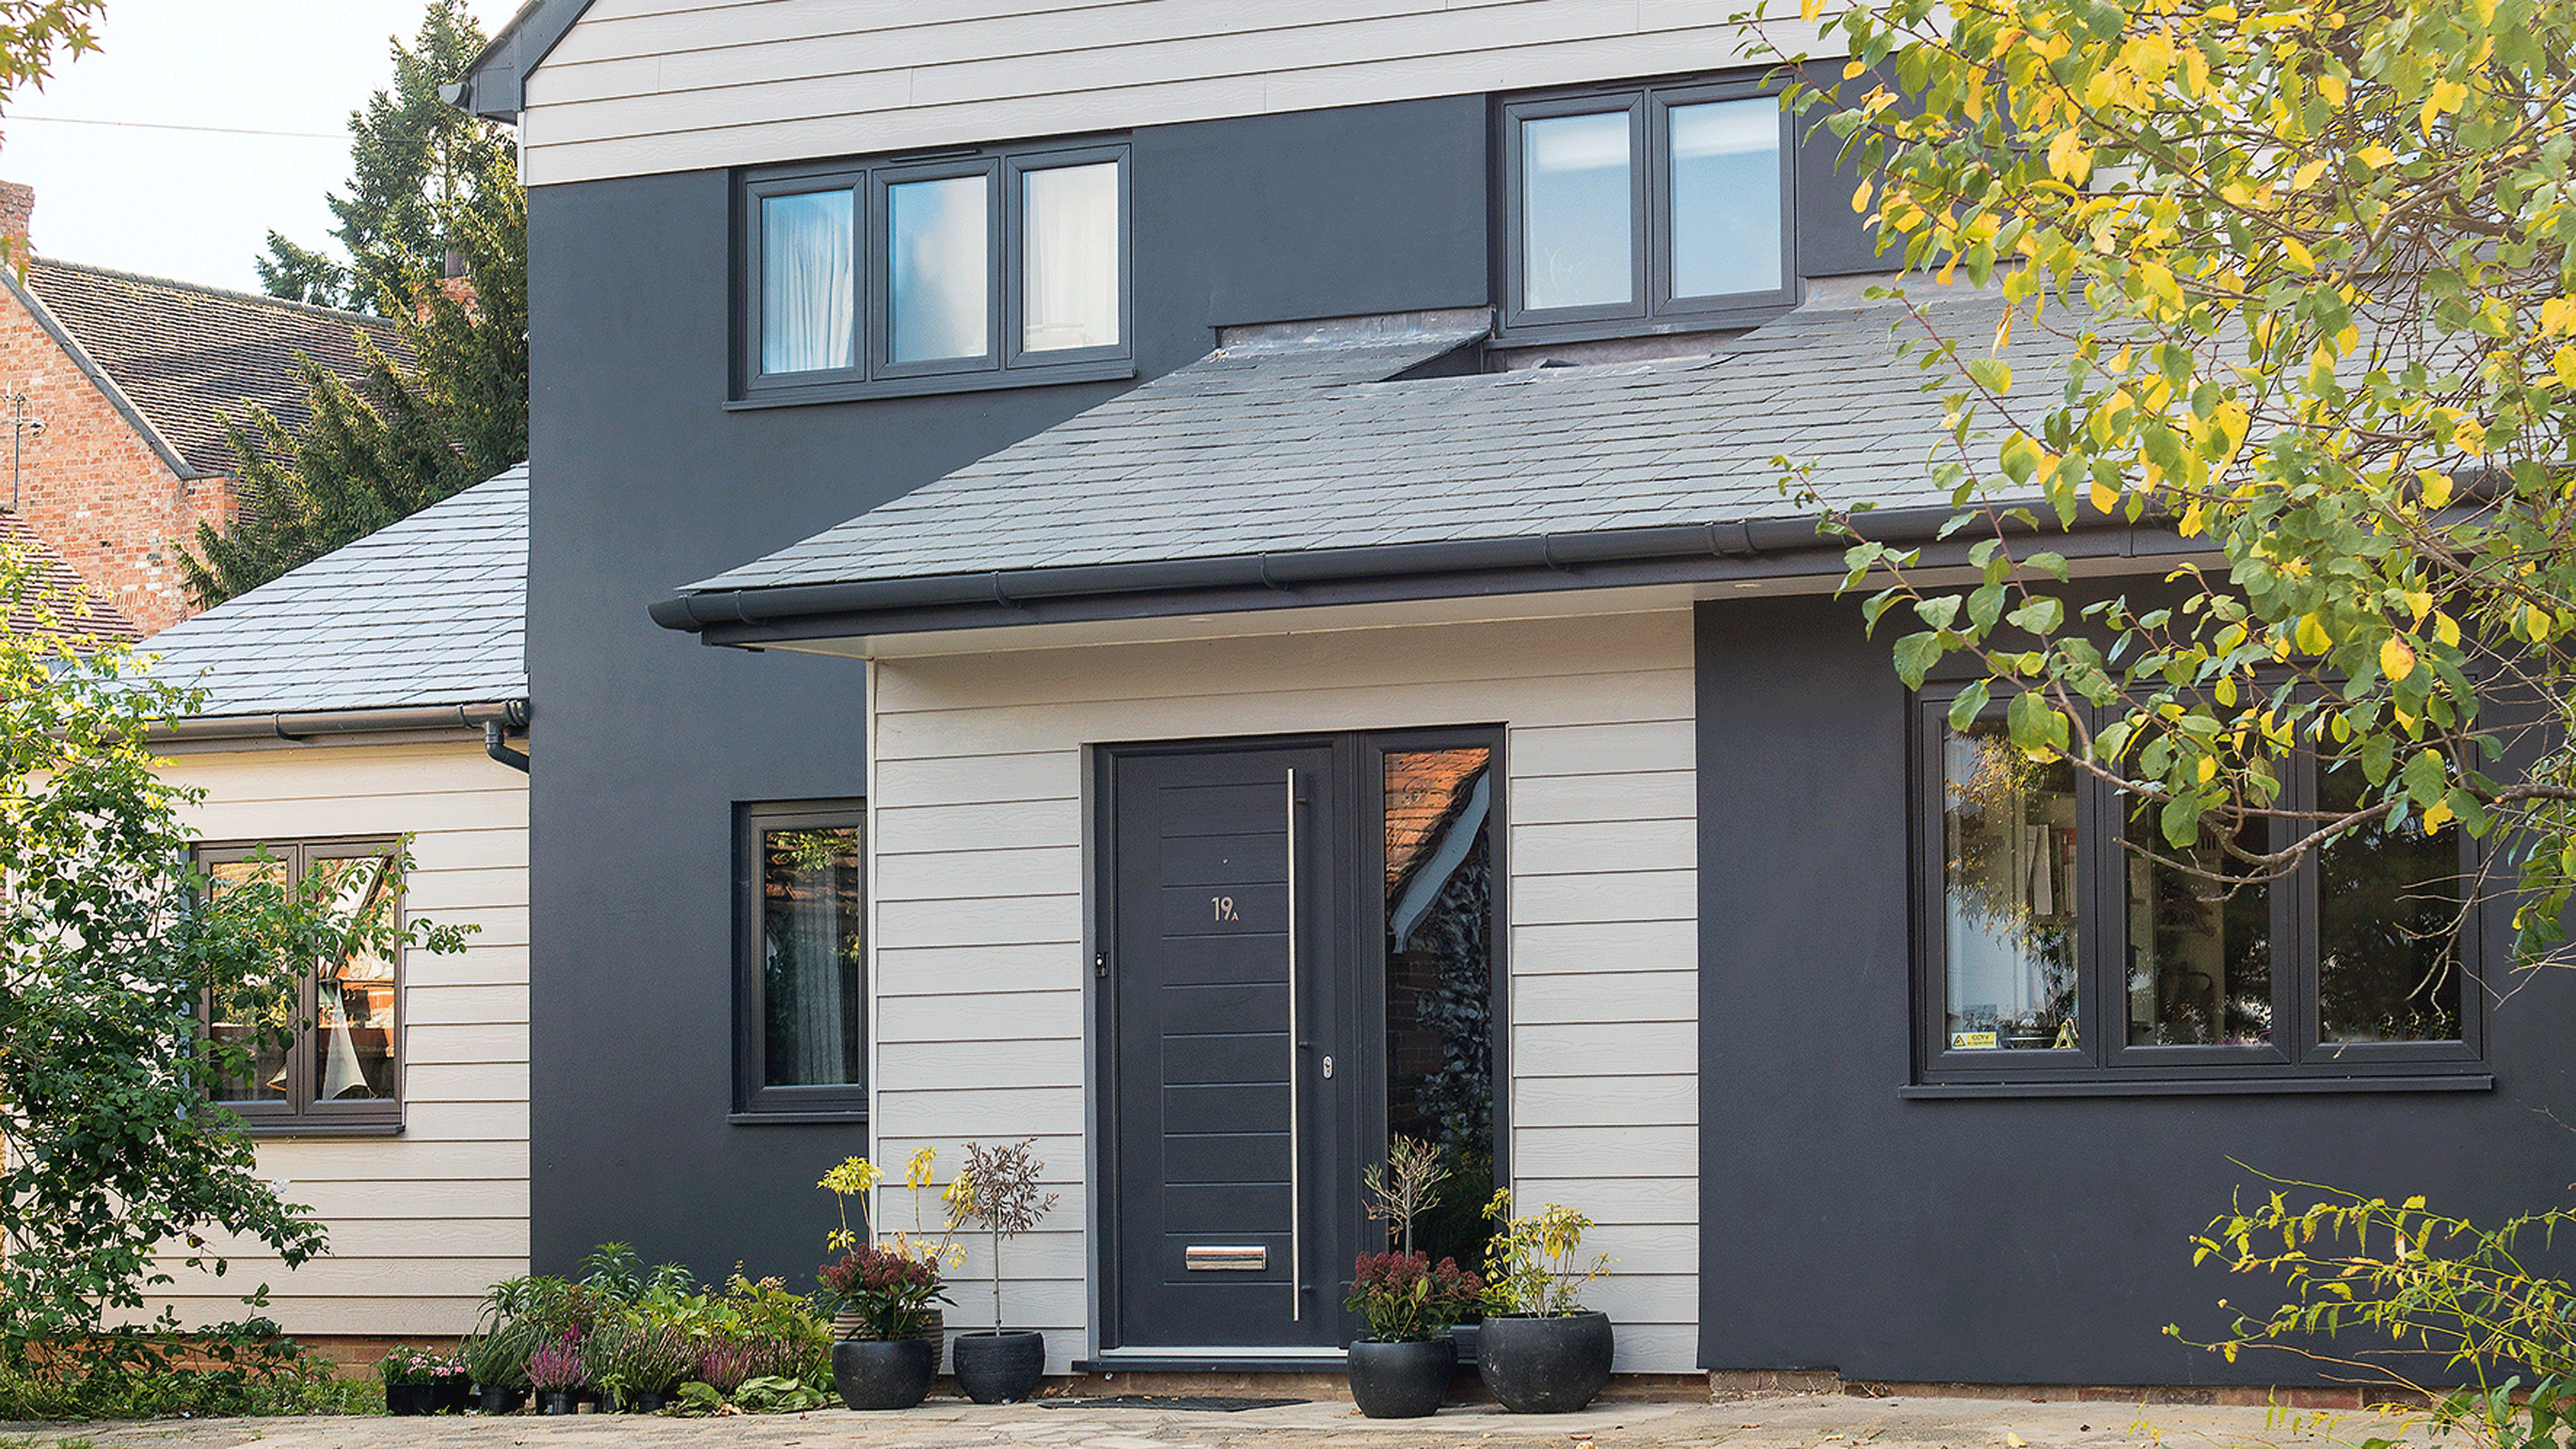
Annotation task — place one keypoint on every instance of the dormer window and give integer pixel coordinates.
(984, 269)
(1655, 209)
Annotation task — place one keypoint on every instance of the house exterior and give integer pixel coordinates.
(1256, 611)
(115, 391)
(76, 613)
(363, 705)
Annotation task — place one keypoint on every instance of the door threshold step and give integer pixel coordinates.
(1301, 1363)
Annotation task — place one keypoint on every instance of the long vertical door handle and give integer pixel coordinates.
(1296, 1143)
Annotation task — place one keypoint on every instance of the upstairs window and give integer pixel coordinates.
(2061, 951)
(994, 269)
(1663, 208)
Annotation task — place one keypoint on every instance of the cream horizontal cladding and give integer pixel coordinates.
(644, 86)
(979, 805)
(423, 1222)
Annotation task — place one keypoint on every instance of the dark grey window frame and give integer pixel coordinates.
(875, 375)
(300, 1115)
(1651, 307)
(2106, 1063)
(754, 1101)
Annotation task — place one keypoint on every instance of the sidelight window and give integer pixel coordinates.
(801, 891)
(987, 269)
(2066, 942)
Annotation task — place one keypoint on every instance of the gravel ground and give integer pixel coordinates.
(1801, 1421)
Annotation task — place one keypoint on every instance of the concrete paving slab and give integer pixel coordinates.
(1791, 1421)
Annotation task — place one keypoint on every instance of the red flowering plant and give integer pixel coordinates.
(890, 1290)
(1407, 1298)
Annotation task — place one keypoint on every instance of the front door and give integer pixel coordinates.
(1297, 958)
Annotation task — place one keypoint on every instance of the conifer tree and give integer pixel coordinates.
(435, 226)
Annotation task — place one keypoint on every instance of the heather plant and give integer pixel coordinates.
(1405, 1297)
(557, 1366)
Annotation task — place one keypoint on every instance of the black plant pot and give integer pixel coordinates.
(882, 1374)
(1402, 1380)
(999, 1366)
(649, 1403)
(1552, 1365)
(558, 1401)
(452, 1396)
(410, 1398)
(500, 1401)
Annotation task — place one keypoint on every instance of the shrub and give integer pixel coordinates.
(1407, 1298)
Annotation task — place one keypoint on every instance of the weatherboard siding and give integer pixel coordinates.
(644, 86)
(980, 889)
(422, 1223)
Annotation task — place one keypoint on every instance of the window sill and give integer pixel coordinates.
(795, 1119)
(1526, 333)
(1113, 370)
(2200, 1086)
(270, 1131)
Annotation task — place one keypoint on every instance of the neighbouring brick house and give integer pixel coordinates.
(120, 450)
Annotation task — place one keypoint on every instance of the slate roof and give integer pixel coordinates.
(187, 355)
(427, 611)
(1303, 445)
(91, 620)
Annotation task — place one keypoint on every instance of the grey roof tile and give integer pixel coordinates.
(426, 611)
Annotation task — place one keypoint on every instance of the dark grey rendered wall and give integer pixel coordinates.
(649, 483)
(1991, 1240)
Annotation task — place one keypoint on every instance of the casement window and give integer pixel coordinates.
(1657, 209)
(979, 269)
(801, 900)
(2054, 957)
(326, 1054)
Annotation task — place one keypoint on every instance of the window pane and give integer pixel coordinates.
(1575, 242)
(264, 1024)
(2009, 883)
(810, 957)
(353, 1040)
(2200, 954)
(937, 272)
(1069, 264)
(1439, 983)
(1726, 197)
(2388, 915)
(807, 282)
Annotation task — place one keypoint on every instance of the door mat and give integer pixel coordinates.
(1190, 1403)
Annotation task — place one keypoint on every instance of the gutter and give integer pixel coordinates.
(1756, 548)
(325, 726)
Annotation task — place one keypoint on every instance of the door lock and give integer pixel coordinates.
(1328, 1069)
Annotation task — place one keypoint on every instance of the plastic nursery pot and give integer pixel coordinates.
(453, 1396)
(998, 1367)
(1552, 1365)
(881, 1373)
(1402, 1380)
(649, 1403)
(410, 1398)
(500, 1401)
(558, 1401)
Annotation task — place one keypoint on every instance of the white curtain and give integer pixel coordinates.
(807, 282)
(813, 927)
(1069, 266)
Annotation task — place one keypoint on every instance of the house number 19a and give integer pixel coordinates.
(1222, 907)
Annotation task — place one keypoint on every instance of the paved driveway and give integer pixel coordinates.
(1807, 1421)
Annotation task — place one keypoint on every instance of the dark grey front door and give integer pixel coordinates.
(1230, 992)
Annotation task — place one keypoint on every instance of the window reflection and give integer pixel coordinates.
(2200, 951)
(1439, 981)
(262, 1024)
(938, 277)
(1575, 242)
(2009, 898)
(353, 1038)
(2388, 913)
(811, 949)
(1725, 165)
(1069, 283)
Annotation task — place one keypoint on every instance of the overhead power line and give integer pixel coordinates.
(19, 117)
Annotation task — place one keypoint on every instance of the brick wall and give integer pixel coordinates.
(89, 483)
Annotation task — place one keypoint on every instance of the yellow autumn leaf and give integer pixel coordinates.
(2446, 629)
(2444, 98)
(2419, 603)
(2299, 253)
(2207, 770)
(2069, 159)
(2437, 487)
(1860, 198)
(2307, 175)
(2395, 659)
(2106, 498)
(2311, 635)
(2564, 364)
(1810, 9)
(2436, 815)
(2558, 314)
(2536, 623)
(2469, 435)
(2331, 87)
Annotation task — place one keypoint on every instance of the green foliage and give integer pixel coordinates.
(1529, 1264)
(407, 1364)
(109, 941)
(2413, 1286)
(231, 1370)
(2293, 281)
(429, 180)
(31, 31)
(1405, 1297)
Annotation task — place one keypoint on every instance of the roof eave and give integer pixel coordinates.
(98, 377)
(495, 83)
(1754, 550)
(307, 726)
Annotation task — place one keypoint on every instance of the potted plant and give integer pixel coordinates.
(654, 1357)
(558, 1374)
(1403, 1368)
(497, 1361)
(999, 1191)
(855, 1177)
(886, 1295)
(412, 1377)
(1541, 1351)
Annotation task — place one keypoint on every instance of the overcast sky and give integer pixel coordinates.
(197, 204)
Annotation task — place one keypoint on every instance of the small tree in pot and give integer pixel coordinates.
(998, 1192)
(1541, 1351)
(1404, 1367)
